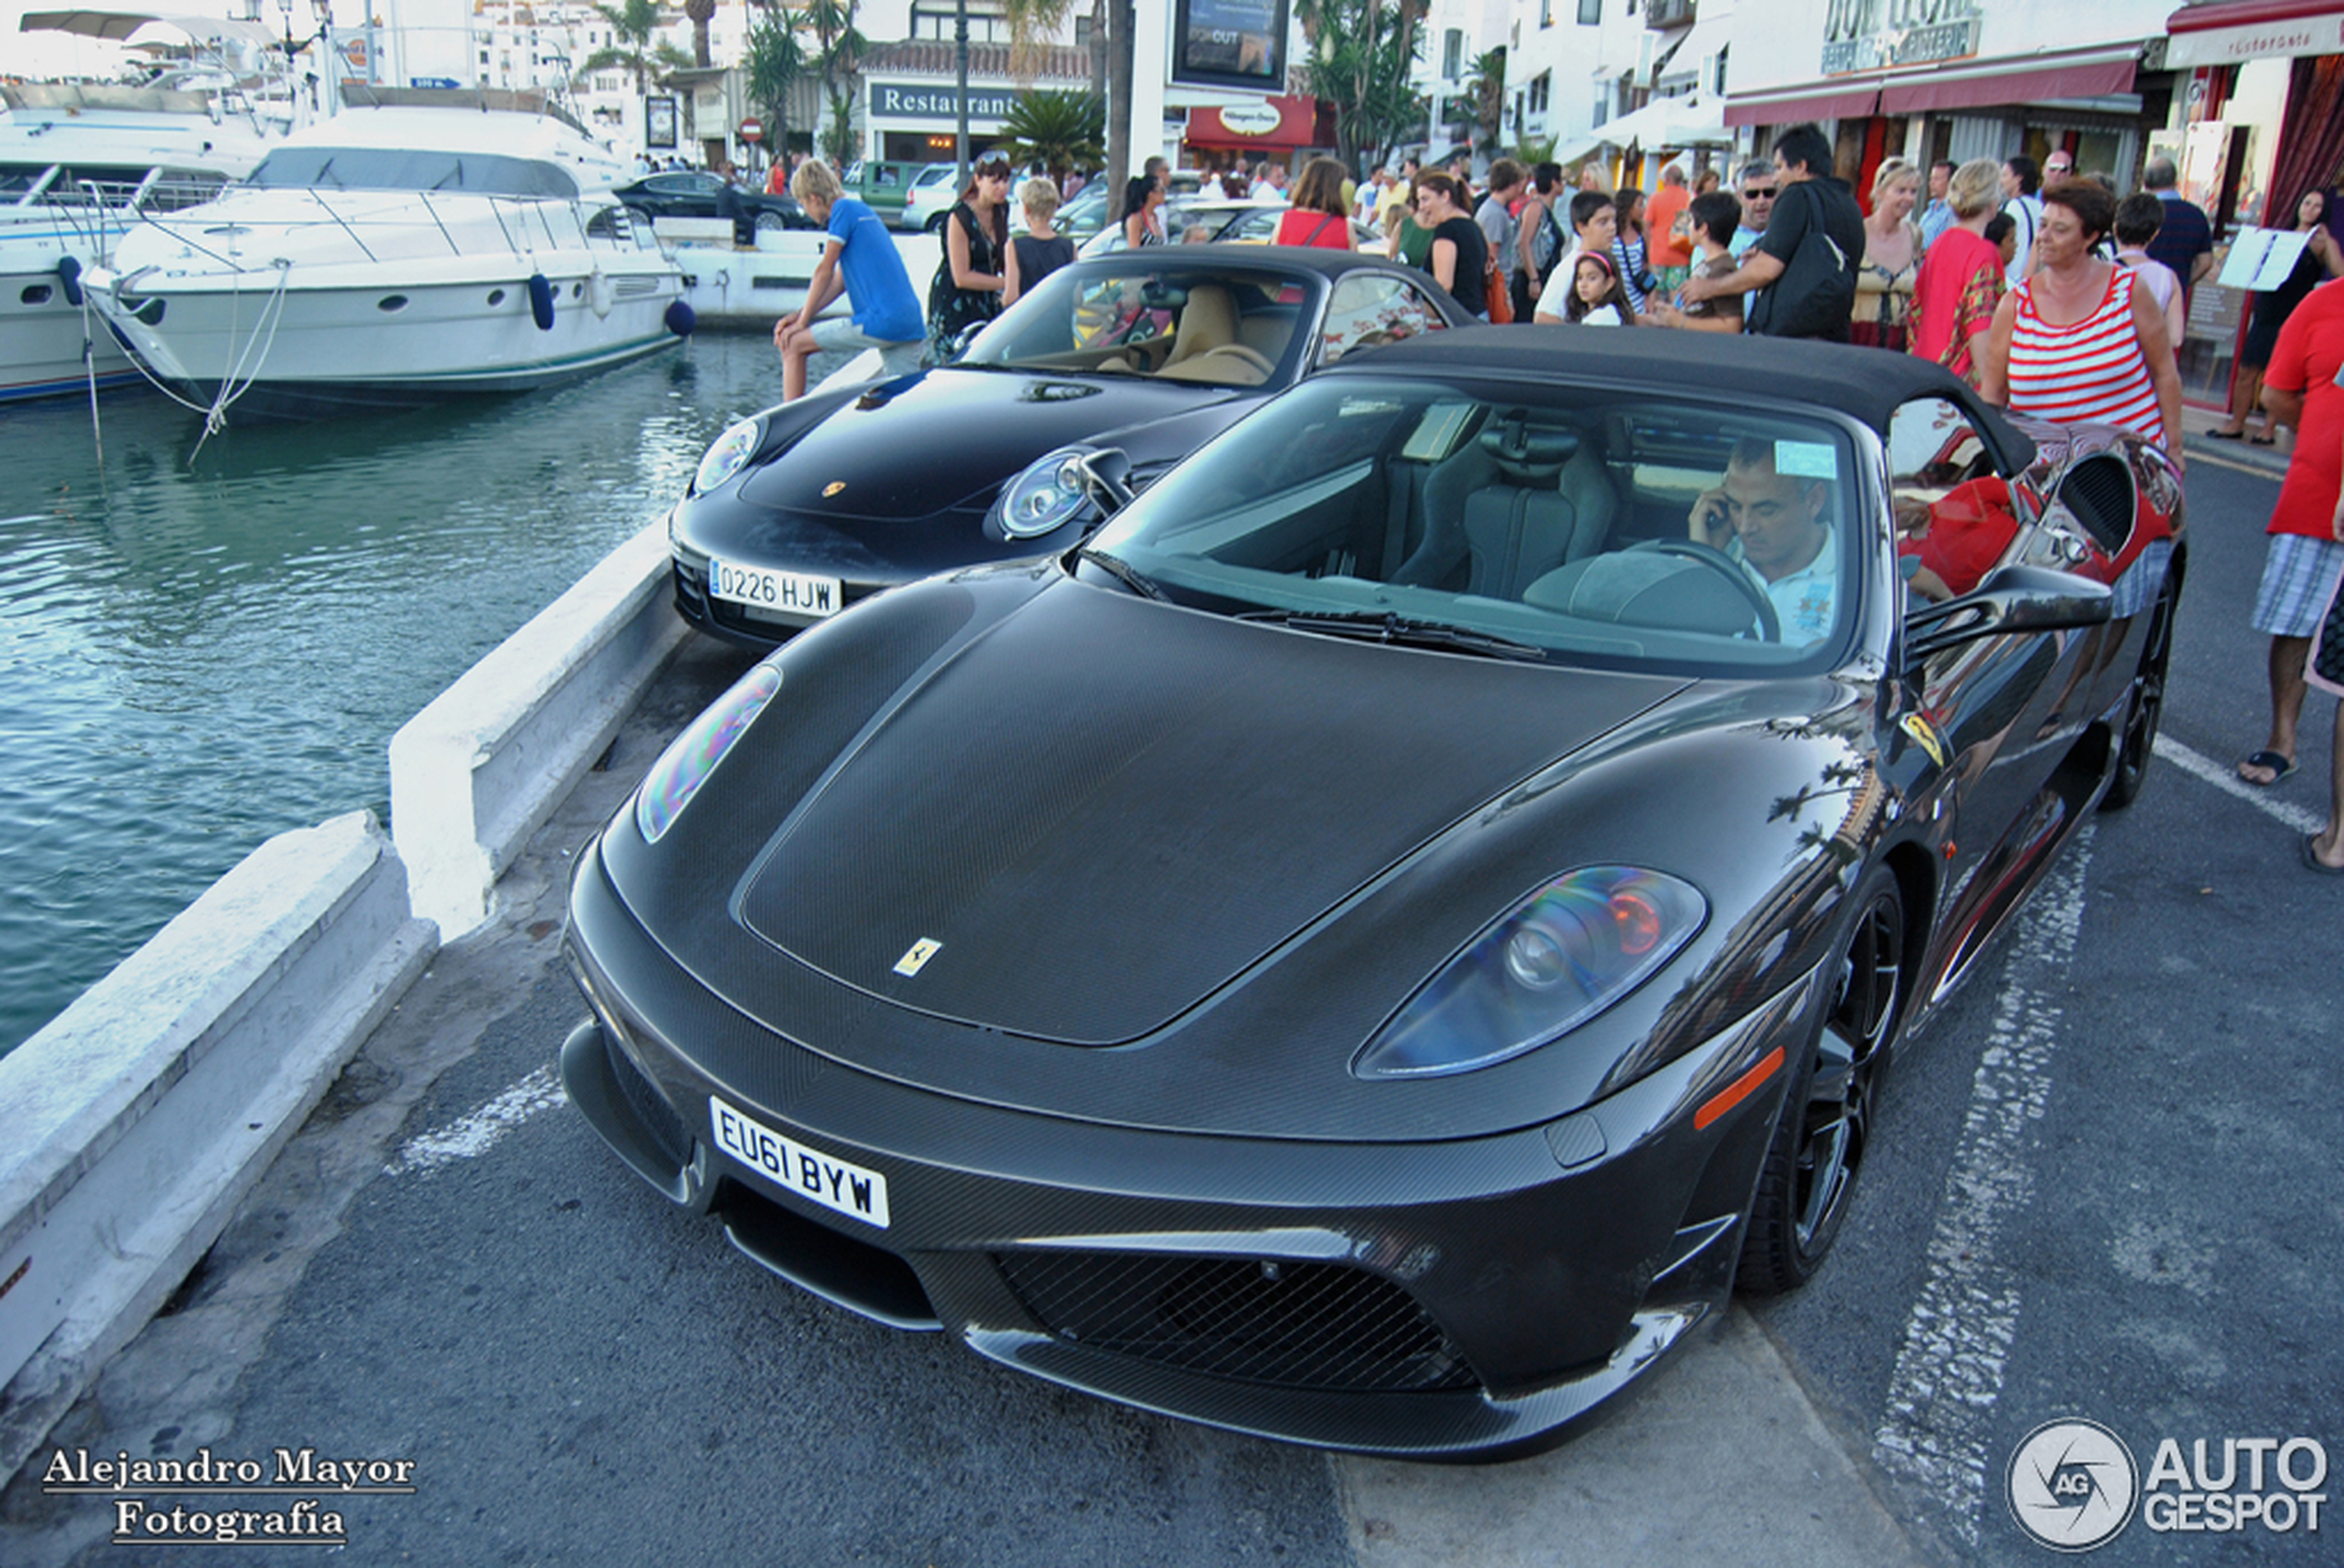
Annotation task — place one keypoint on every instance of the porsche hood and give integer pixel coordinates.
(909, 450)
(1080, 848)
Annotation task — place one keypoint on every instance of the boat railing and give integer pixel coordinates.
(515, 216)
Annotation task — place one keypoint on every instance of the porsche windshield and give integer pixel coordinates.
(1223, 323)
(1517, 519)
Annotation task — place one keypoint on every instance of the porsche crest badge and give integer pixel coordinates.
(833, 488)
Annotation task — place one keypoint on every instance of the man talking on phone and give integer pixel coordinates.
(1771, 525)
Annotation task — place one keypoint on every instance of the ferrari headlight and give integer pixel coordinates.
(1568, 952)
(686, 764)
(1050, 491)
(726, 455)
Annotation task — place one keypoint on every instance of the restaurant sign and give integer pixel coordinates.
(1886, 35)
(923, 101)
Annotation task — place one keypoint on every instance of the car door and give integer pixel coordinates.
(2001, 715)
(1368, 308)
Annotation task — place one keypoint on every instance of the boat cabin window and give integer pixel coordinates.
(389, 168)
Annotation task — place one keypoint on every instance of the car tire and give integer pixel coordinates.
(772, 220)
(2147, 707)
(935, 225)
(1817, 1150)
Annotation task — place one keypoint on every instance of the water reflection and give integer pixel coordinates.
(196, 656)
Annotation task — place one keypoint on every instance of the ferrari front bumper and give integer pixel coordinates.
(1470, 1298)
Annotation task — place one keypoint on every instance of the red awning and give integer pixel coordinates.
(2237, 30)
(1840, 103)
(1999, 83)
(2247, 13)
(1282, 123)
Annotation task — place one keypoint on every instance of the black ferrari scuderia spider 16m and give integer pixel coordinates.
(1373, 944)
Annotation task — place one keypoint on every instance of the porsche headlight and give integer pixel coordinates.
(1568, 952)
(725, 456)
(686, 764)
(1051, 492)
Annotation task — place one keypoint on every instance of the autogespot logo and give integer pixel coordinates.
(2072, 1485)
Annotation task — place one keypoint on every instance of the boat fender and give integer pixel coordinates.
(540, 301)
(70, 274)
(601, 293)
(680, 319)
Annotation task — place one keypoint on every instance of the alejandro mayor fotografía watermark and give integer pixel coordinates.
(281, 1501)
(2074, 1485)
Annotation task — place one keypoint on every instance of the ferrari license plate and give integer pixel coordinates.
(811, 1174)
(794, 592)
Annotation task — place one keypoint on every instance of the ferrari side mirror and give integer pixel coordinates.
(2013, 599)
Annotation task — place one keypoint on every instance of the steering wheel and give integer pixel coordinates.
(1769, 624)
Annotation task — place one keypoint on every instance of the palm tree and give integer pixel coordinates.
(701, 13)
(1061, 131)
(1362, 53)
(776, 61)
(840, 45)
(631, 26)
(1485, 91)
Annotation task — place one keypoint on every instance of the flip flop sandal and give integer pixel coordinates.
(2227, 435)
(2305, 846)
(2278, 766)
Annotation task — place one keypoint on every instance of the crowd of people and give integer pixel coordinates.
(2034, 285)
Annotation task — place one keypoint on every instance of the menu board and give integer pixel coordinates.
(2260, 259)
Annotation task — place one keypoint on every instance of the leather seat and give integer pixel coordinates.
(1531, 501)
(1208, 321)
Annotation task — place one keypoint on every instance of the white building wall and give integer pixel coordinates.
(1780, 43)
(1582, 60)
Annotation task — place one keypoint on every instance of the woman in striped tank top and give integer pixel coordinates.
(2084, 340)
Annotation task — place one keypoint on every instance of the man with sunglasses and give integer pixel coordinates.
(1758, 188)
(1802, 273)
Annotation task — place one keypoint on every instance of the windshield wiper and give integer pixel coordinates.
(1375, 626)
(1122, 571)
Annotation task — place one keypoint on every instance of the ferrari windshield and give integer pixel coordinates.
(1517, 519)
(1215, 322)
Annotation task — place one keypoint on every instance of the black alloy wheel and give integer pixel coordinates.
(1819, 1143)
(2147, 707)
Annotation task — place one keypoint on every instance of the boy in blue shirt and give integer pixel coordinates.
(859, 259)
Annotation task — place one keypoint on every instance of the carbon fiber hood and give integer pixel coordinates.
(1099, 812)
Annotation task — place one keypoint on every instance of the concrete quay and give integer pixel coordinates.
(180, 1146)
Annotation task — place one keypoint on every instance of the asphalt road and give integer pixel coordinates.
(2105, 1185)
(2101, 1188)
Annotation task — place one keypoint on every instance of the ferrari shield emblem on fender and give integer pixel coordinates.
(1922, 730)
(833, 488)
(922, 951)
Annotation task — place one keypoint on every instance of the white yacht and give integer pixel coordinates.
(81, 163)
(421, 242)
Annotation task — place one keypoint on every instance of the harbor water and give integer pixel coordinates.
(199, 649)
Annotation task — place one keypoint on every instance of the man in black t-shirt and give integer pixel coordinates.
(1803, 268)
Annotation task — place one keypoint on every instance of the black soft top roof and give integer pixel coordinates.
(1866, 384)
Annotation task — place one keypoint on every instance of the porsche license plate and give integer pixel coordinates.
(811, 1174)
(793, 593)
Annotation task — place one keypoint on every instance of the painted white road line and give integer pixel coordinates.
(2225, 778)
(478, 1133)
(1957, 1339)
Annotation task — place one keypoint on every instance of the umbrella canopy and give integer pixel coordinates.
(119, 25)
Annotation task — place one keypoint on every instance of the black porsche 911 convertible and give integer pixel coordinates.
(1370, 948)
(805, 509)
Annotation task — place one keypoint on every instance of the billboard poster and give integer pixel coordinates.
(658, 122)
(1238, 43)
